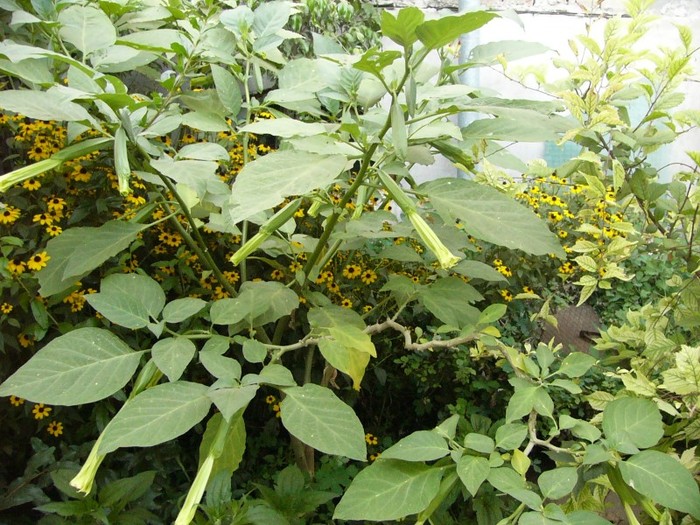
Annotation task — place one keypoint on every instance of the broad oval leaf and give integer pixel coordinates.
(180, 309)
(82, 366)
(558, 482)
(510, 436)
(389, 489)
(315, 416)
(156, 415)
(491, 216)
(43, 105)
(231, 400)
(78, 251)
(129, 300)
(422, 445)
(172, 355)
(87, 28)
(632, 421)
(285, 127)
(664, 480)
(267, 181)
(473, 471)
(438, 33)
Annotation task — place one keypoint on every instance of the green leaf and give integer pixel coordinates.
(231, 400)
(227, 89)
(347, 359)
(402, 28)
(422, 445)
(172, 355)
(558, 482)
(389, 490)
(509, 49)
(78, 251)
(202, 151)
(632, 421)
(123, 491)
(285, 128)
(156, 415)
(509, 482)
(398, 130)
(536, 518)
(522, 403)
(258, 303)
(233, 449)
(315, 416)
(449, 300)
(579, 428)
(576, 364)
(492, 313)
(664, 480)
(87, 28)
(267, 181)
(254, 351)
(473, 471)
(477, 270)
(510, 436)
(438, 33)
(491, 216)
(180, 309)
(129, 300)
(82, 366)
(43, 105)
(479, 443)
(374, 61)
(220, 366)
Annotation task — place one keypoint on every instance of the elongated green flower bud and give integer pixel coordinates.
(194, 495)
(121, 161)
(446, 259)
(38, 168)
(271, 226)
(85, 478)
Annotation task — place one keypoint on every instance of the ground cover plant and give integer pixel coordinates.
(227, 300)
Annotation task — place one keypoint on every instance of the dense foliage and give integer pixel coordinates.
(224, 291)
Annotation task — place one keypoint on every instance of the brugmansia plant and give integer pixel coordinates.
(278, 184)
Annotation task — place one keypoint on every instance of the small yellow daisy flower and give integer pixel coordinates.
(41, 411)
(38, 261)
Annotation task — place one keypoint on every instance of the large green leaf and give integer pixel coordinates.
(156, 415)
(258, 303)
(315, 416)
(558, 482)
(402, 28)
(509, 482)
(663, 479)
(87, 28)
(491, 216)
(267, 181)
(43, 105)
(82, 366)
(129, 300)
(576, 364)
(227, 89)
(438, 33)
(172, 355)
(473, 471)
(178, 310)
(230, 400)
(234, 444)
(345, 345)
(389, 489)
(125, 490)
(285, 127)
(449, 300)
(78, 251)
(632, 421)
(422, 445)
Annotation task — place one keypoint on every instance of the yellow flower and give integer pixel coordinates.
(6, 308)
(346, 303)
(352, 271)
(446, 259)
(54, 230)
(43, 218)
(527, 289)
(507, 295)
(368, 276)
(295, 266)
(371, 439)
(55, 428)
(277, 275)
(270, 399)
(31, 184)
(41, 411)
(24, 340)
(333, 288)
(16, 401)
(38, 261)
(9, 215)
